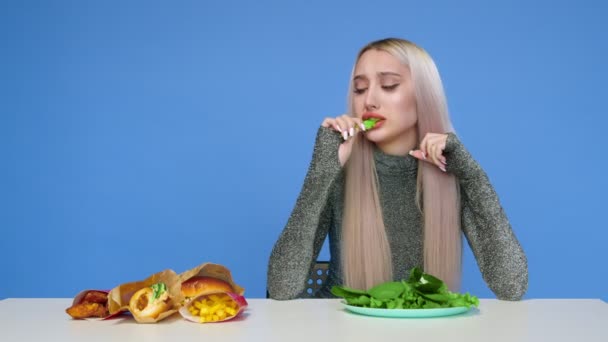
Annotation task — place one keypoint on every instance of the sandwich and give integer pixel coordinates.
(150, 302)
(203, 285)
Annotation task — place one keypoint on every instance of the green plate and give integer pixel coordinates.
(406, 313)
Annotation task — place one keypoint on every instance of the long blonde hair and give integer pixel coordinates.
(366, 254)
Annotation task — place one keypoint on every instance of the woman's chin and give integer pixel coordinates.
(374, 136)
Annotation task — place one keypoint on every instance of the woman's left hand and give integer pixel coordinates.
(431, 150)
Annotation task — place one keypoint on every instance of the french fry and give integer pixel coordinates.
(212, 308)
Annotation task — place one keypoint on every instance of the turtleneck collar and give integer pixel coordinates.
(391, 164)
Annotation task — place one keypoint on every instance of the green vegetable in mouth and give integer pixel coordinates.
(157, 290)
(419, 291)
(370, 123)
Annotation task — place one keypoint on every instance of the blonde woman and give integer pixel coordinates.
(397, 195)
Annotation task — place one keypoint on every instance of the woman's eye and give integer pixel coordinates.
(390, 87)
(359, 90)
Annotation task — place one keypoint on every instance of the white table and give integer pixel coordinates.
(319, 320)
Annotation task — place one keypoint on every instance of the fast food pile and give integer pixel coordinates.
(204, 294)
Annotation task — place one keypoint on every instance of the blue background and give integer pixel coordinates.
(140, 136)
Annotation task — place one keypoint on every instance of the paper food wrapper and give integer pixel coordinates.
(79, 298)
(119, 297)
(212, 270)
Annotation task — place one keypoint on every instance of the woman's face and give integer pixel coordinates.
(383, 89)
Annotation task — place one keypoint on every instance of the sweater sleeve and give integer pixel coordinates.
(298, 246)
(499, 255)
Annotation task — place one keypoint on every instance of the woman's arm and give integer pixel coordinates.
(501, 259)
(299, 244)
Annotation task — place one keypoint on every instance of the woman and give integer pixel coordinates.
(397, 195)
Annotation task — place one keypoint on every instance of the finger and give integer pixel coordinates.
(343, 127)
(431, 152)
(444, 139)
(350, 125)
(441, 156)
(353, 125)
(423, 147)
(418, 154)
(331, 122)
(436, 150)
(359, 126)
(422, 144)
(438, 140)
(435, 153)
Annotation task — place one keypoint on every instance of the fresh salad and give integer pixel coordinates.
(420, 291)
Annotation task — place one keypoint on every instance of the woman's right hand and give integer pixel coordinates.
(348, 127)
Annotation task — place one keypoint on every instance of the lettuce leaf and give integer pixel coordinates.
(370, 123)
(157, 290)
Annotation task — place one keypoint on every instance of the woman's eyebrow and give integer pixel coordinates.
(388, 73)
(381, 74)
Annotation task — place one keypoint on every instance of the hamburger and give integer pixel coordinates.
(203, 285)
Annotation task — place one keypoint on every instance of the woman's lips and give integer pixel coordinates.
(378, 124)
(380, 118)
(372, 115)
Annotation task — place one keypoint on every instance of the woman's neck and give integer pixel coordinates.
(402, 144)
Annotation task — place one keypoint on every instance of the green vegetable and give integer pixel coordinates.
(362, 300)
(420, 291)
(386, 291)
(346, 292)
(370, 123)
(157, 290)
(426, 283)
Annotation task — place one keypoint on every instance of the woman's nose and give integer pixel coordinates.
(371, 102)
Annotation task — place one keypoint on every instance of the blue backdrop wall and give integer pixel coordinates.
(140, 136)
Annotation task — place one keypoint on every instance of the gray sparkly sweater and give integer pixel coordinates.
(318, 213)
